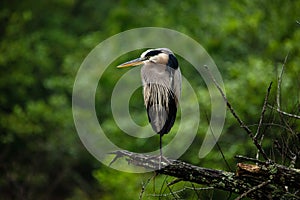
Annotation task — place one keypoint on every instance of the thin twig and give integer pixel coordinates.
(279, 81)
(263, 112)
(272, 124)
(144, 185)
(249, 159)
(285, 113)
(253, 189)
(258, 135)
(242, 124)
(194, 188)
(180, 191)
(175, 181)
(161, 191)
(218, 146)
(286, 152)
(278, 109)
(175, 196)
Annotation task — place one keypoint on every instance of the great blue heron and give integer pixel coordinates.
(161, 78)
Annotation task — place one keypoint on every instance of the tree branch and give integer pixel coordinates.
(279, 81)
(259, 135)
(285, 113)
(242, 124)
(254, 181)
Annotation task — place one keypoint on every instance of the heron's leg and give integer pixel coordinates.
(160, 149)
(161, 159)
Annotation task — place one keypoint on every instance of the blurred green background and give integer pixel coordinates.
(43, 44)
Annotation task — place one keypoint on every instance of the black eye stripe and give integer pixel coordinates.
(153, 53)
(173, 63)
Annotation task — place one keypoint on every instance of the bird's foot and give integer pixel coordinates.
(162, 161)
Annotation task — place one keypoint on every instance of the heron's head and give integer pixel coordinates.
(163, 56)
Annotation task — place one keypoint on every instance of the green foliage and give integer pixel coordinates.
(43, 44)
(117, 185)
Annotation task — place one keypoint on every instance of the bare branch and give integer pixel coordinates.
(174, 194)
(279, 81)
(273, 124)
(278, 109)
(144, 185)
(182, 190)
(218, 146)
(244, 158)
(242, 124)
(286, 152)
(285, 113)
(258, 135)
(247, 177)
(175, 181)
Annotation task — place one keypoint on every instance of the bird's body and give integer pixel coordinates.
(161, 78)
(161, 94)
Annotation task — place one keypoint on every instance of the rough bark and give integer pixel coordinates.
(257, 181)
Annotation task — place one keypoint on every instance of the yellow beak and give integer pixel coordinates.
(132, 63)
